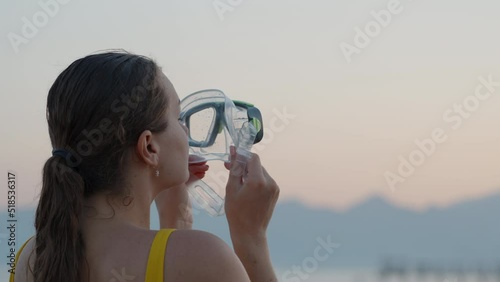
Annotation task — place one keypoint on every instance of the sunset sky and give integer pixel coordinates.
(348, 123)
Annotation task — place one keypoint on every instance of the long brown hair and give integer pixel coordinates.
(96, 110)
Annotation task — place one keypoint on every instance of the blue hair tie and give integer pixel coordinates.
(60, 152)
(64, 154)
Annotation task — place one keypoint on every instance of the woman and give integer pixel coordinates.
(118, 145)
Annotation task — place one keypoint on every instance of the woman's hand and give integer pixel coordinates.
(174, 207)
(249, 206)
(250, 199)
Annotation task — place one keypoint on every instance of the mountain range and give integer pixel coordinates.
(366, 235)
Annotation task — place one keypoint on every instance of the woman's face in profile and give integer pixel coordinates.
(173, 163)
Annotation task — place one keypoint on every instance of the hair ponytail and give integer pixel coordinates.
(59, 242)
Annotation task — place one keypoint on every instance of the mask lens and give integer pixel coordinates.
(201, 127)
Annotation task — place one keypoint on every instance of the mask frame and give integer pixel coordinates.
(254, 117)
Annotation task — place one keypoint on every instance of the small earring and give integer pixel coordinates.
(157, 173)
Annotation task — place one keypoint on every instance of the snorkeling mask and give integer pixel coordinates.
(216, 123)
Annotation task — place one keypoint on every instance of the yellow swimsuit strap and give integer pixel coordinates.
(11, 279)
(156, 260)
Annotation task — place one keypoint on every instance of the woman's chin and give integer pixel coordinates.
(186, 176)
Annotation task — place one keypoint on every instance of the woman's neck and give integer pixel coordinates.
(117, 210)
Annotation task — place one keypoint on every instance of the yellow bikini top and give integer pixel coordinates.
(156, 260)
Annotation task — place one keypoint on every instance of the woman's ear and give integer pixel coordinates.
(148, 149)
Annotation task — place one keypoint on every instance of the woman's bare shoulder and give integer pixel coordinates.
(194, 255)
(191, 255)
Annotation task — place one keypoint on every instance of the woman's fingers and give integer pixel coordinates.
(255, 173)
